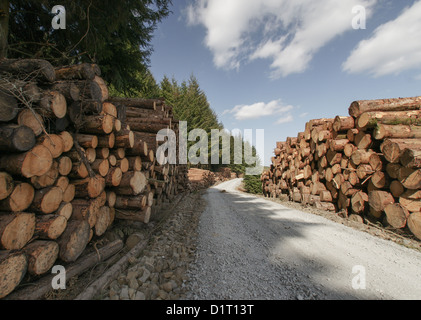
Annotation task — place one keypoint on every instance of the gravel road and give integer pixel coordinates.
(250, 248)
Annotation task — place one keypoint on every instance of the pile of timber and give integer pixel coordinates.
(72, 160)
(225, 174)
(366, 165)
(199, 178)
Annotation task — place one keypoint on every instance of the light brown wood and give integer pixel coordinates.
(16, 230)
(31, 119)
(103, 221)
(87, 140)
(48, 179)
(74, 240)
(13, 267)
(20, 198)
(414, 224)
(397, 215)
(53, 105)
(113, 177)
(359, 107)
(41, 256)
(378, 200)
(50, 227)
(6, 185)
(47, 200)
(89, 187)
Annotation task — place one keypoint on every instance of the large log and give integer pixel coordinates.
(414, 224)
(47, 200)
(397, 215)
(8, 107)
(32, 120)
(384, 131)
(48, 179)
(29, 68)
(74, 240)
(359, 107)
(41, 256)
(372, 119)
(13, 267)
(83, 71)
(89, 187)
(16, 230)
(35, 162)
(50, 227)
(132, 183)
(52, 104)
(53, 143)
(16, 138)
(6, 185)
(378, 200)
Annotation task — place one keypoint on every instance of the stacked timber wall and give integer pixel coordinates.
(366, 165)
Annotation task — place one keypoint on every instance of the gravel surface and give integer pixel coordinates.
(251, 248)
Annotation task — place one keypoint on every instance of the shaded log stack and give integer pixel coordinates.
(70, 164)
(365, 166)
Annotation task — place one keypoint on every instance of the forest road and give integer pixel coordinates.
(250, 248)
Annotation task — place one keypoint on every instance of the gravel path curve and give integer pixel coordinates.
(250, 248)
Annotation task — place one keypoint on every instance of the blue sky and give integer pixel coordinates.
(276, 64)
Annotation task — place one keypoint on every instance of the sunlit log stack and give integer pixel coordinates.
(70, 164)
(366, 165)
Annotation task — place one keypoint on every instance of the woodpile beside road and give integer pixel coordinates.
(366, 165)
(72, 160)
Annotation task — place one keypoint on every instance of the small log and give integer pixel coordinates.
(414, 224)
(86, 140)
(52, 105)
(20, 198)
(89, 187)
(53, 143)
(113, 177)
(103, 221)
(378, 200)
(69, 193)
(343, 123)
(132, 183)
(16, 230)
(397, 215)
(47, 200)
(6, 185)
(65, 166)
(48, 179)
(67, 141)
(31, 119)
(41, 256)
(358, 202)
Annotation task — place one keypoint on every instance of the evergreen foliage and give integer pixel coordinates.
(253, 185)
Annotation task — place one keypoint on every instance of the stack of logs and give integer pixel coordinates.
(199, 178)
(71, 161)
(365, 166)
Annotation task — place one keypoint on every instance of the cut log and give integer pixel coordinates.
(359, 107)
(396, 188)
(384, 131)
(48, 179)
(411, 158)
(128, 202)
(412, 205)
(47, 200)
(89, 187)
(103, 221)
(13, 267)
(65, 166)
(372, 119)
(98, 124)
(20, 199)
(69, 193)
(74, 240)
(132, 183)
(31, 68)
(16, 230)
(378, 200)
(84, 71)
(68, 89)
(343, 123)
(101, 167)
(414, 224)
(52, 104)
(85, 210)
(361, 157)
(53, 143)
(8, 107)
(113, 177)
(50, 227)
(103, 86)
(410, 179)
(16, 138)
(358, 202)
(6, 185)
(380, 179)
(141, 216)
(107, 141)
(326, 206)
(41, 256)
(397, 215)
(31, 119)
(87, 141)
(67, 141)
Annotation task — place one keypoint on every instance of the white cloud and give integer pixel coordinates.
(261, 109)
(287, 32)
(394, 47)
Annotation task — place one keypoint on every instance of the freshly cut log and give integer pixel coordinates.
(53, 143)
(358, 202)
(41, 256)
(396, 188)
(86, 140)
(16, 230)
(35, 68)
(47, 200)
(384, 131)
(89, 187)
(68, 89)
(101, 166)
(107, 141)
(372, 119)
(102, 153)
(359, 107)
(103, 221)
(125, 139)
(132, 183)
(85, 210)
(74, 240)
(48, 179)
(98, 124)
(326, 196)
(35, 162)
(8, 107)
(414, 224)
(64, 166)
(397, 215)
(103, 86)
(363, 140)
(50, 227)
(343, 123)
(361, 157)
(52, 104)
(20, 199)
(380, 179)
(412, 205)
(83, 71)
(32, 120)
(338, 145)
(123, 165)
(378, 200)
(16, 138)
(141, 215)
(6, 185)
(113, 177)
(78, 171)
(69, 193)
(67, 141)
(13, 267)
(411, 158)
(128, 202)
(410, 179)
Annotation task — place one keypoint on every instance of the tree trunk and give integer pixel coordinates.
(16, 230)
(41, 256)
(13, 267)
(74, 240)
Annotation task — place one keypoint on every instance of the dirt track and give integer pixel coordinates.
(252, 248)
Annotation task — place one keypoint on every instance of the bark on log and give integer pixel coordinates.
(47, 200)
(32, 68)
(359, 107)
(132, 183)
(20, 198)
(8, 107)
(414, 224)
(89, 187)
(372, 119)
(52, 105)
(378, 200)
(384, 131)
(50, 227)
(84, 71)
(140, 215)
(48, 179)
(6, 185)
(32, 120)
(411, 158)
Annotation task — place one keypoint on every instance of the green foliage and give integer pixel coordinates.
(116, 35)
(253, 185)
